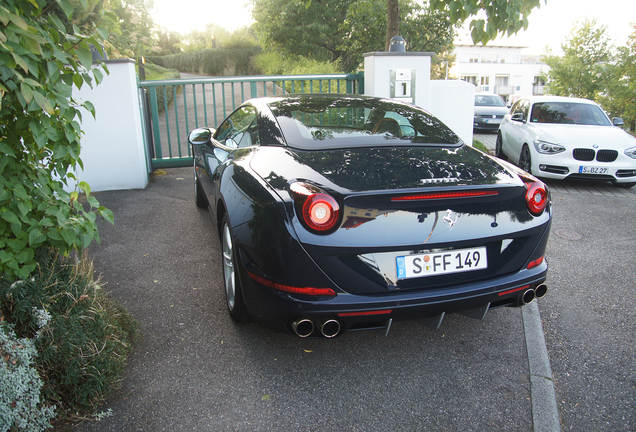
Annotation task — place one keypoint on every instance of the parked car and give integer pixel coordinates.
(341, 213)
(567, 138)
(490, 110)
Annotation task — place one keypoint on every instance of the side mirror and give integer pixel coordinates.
(618, 121)
(200, 136)
(517, 117)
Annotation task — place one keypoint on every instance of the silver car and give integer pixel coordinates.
(490, 110)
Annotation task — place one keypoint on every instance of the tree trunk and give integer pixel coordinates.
(392, 21)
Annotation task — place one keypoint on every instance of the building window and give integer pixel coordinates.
(489, 58)
(470, 79)
(485, 80)
(501, 80)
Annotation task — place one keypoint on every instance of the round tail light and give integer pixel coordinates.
(319, 211)
(536, 197)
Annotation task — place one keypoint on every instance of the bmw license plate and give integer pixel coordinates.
(592, 170)
(439, 263)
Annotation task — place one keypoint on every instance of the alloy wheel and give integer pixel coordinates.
(229, 276)
(524, 160)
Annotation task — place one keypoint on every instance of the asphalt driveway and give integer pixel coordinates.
(194, 369)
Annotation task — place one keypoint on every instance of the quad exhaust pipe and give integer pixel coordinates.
(330, 328)
(305, 327)
(530, 294)
(541, 291)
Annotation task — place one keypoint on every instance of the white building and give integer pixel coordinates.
(499, 69)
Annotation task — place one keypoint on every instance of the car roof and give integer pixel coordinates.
(565, 99)
(293, 98)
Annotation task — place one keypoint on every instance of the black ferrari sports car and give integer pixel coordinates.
(341, 212)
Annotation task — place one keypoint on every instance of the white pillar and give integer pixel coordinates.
(381, 68)
(113, 149)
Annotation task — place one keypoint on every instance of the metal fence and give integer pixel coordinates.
(174, 107)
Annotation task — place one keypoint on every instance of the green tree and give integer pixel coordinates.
(40, 63)
(300, 28)
(501, 16)
(167, 42)
(342, 31)
(212, 37)
(130, 25)
(620, 98)
(423, 29)
(583, 69)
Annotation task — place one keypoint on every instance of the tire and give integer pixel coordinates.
(498, 147)
(199, 196)
(231, 282)
(525, 160)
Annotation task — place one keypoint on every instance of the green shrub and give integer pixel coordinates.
(271, 63)
(83, 347)
(154, 72)
(20, 385)
(212, 62)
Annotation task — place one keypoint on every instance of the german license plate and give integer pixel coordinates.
(493, 121)
(439, 263)
(592, 170)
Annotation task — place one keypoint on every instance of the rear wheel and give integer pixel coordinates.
(233, 294)
(498, 147)
(525, 162)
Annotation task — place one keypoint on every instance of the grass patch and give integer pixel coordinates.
(480, 146)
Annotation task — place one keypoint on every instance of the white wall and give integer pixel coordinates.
(113, 150)
(453, 102)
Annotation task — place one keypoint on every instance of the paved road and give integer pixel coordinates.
(194, 369)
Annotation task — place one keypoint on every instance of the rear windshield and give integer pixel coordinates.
(568, 113)
(321, 123)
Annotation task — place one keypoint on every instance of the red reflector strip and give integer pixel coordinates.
(365, 313)
(535, 263)
(444, 195)
(514, 290)
(292, 289)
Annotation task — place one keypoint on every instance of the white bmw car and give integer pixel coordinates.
(567, 138)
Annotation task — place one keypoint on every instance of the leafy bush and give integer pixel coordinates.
(84, 344)
(20, 385)
(154, 72)
(213, 62)
(41, 61)
(273, 64)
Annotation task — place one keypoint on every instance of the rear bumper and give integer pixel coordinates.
(280, 311)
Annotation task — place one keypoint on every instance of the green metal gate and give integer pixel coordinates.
(173, 107)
